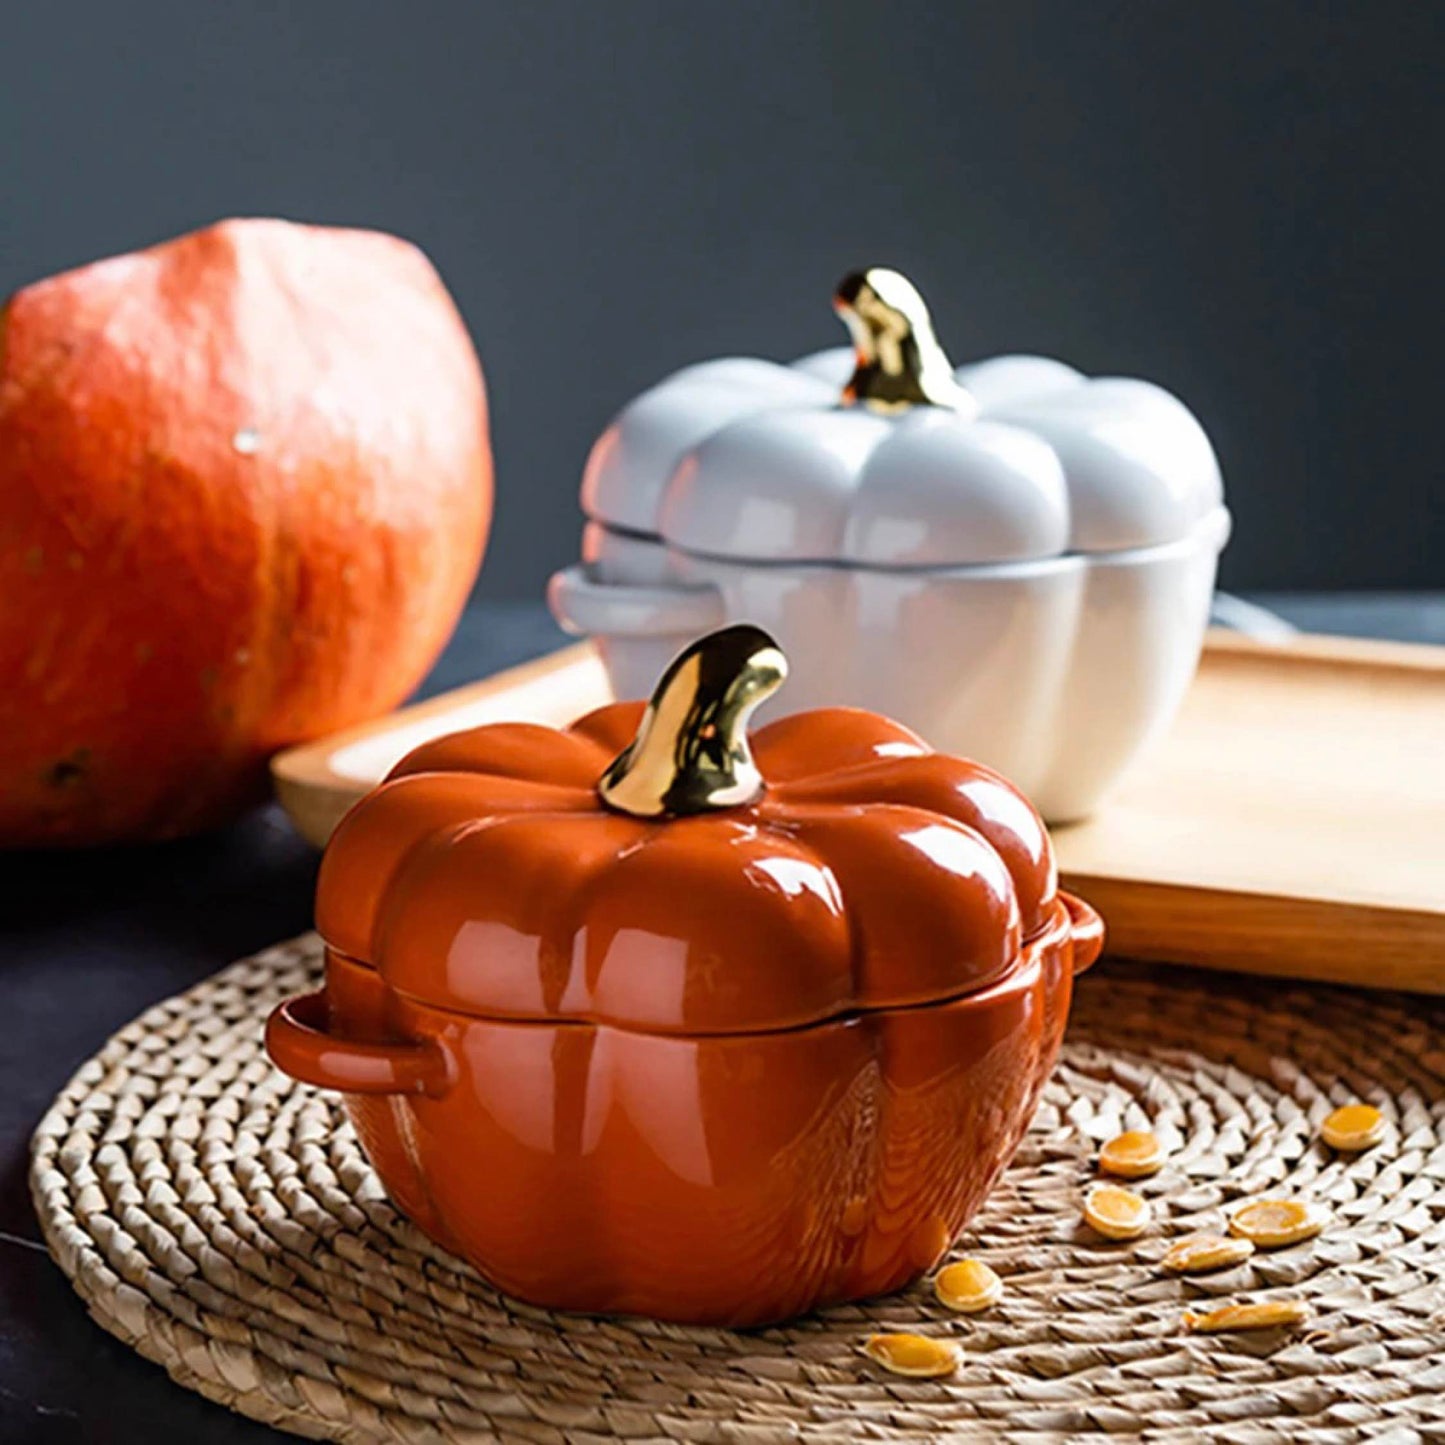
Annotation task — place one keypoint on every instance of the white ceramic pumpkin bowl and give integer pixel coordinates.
(1012, 559)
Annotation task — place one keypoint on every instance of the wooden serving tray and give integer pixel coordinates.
(1292, 823)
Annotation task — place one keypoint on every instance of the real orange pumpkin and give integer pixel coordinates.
(245, 485)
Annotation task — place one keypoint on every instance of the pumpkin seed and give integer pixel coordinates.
(968, 1286)
(1275, 1223)
(1200, 1253)
(1116, 1213)
(917, 1355)
(1134, 1154)
(1268, 1315)
(1354, 1127)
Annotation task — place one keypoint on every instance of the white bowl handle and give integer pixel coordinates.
(584, 606)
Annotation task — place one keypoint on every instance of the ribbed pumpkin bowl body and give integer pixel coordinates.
(1011, 557)
(716, 1070)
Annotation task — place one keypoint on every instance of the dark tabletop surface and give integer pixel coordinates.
(88, 941)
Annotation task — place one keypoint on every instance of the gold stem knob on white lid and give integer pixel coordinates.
(899, 362)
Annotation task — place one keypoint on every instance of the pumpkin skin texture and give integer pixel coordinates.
(721, 1068)
(245, 487)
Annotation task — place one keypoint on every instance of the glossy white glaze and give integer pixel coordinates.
(1028, 587)
(749, 459)
(1057, 672)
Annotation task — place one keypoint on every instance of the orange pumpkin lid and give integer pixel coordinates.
(654, 867)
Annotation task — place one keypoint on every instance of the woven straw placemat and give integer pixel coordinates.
(224, 1222)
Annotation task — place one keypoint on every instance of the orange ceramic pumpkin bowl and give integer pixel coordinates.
(718, 1033)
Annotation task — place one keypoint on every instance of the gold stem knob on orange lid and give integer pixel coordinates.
(899, 362)
(691, 751)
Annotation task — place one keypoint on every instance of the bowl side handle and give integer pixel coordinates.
(585, 605)
(300, 1044)
(1086, 931)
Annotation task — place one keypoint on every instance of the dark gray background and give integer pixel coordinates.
(1241, 201)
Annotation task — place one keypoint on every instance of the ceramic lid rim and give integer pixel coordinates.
(1029, 954)
(1216, 523)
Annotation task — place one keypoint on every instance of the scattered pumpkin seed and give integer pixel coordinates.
(917, 1355)
(1354, 1127)
(1275, 1223)
(968, 1286)
(1134, 1154)
(1268, 1315)
(1116, 1213)
(1200, 1253)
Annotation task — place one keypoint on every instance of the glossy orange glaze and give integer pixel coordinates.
(723, 1068)
(485, 876)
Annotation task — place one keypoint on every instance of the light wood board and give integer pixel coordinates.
(1292, 822)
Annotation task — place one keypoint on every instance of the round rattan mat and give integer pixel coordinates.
(223, 1221)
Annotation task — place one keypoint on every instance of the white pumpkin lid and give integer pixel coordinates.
(885, 456)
